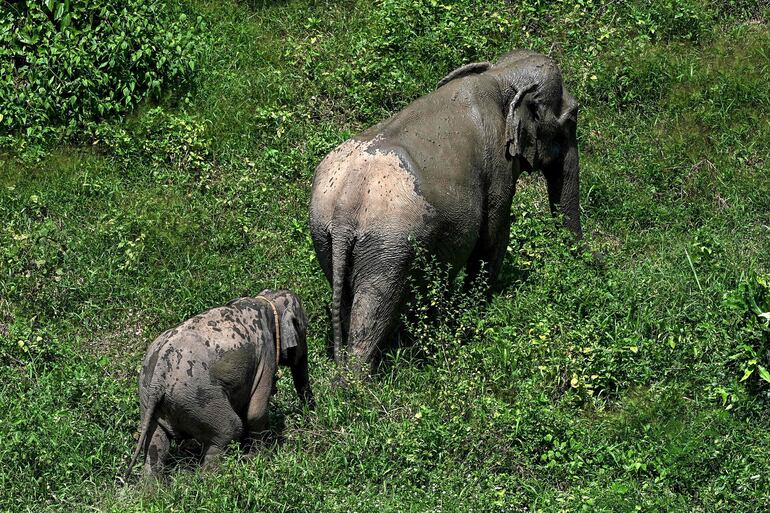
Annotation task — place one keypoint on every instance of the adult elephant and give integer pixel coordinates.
(440, 174)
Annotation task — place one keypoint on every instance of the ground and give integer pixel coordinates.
(639, 384)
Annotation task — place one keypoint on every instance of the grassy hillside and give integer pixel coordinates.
(640, 385)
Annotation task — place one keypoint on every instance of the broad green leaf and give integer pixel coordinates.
(763, 373)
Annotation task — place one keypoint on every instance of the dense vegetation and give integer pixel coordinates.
(639, 385)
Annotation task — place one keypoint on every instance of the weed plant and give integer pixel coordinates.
(637, 385)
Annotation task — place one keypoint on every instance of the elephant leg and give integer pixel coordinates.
(156, 449)
(300, 375)
(212, 455)
(473, 268)
(257, 419)
(488, 259)
(374, 315)
(220, 426)
(490, 250)
(230, 428)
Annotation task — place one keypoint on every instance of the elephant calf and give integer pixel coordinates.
(211, 377)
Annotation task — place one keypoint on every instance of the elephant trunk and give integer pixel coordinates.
(564, 186)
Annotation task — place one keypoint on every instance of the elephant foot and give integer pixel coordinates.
(341, 382)
(150, 484)
(212, 457)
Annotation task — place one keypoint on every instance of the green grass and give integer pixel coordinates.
(635, 386)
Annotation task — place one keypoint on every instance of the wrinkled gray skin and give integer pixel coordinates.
(211, 377)
(439, 174)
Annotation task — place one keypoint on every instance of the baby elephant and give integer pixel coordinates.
(211, 377)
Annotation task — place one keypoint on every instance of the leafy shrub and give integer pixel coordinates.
(442, 313)
(66, 64)
(407, 46)
(751, 301)
(173, 146)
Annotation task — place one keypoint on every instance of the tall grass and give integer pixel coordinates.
(636, 386)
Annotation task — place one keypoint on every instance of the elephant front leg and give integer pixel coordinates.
(257, 419)
(300, 375)
(490, 250)
(488, 256)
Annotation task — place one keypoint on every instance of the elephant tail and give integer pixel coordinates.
(149, 418)
(340, 257)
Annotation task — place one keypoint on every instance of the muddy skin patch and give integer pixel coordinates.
(377, 147)
(377, 187)
(241, 306)
(149, 370)
(212, 323)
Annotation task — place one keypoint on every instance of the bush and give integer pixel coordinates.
(173, 146)
(67, 64)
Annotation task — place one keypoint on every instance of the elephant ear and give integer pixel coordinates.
(521, 127)
(569, 112)
(293, 327)
(473, 68)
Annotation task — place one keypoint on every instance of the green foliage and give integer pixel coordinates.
(636, 385)
(751, 302)
(410, 40)
(172, 145)
(441, 312)
(61, 412)
(67, 64)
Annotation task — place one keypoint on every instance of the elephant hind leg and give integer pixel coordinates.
(156, 450)
(374, 316)
(214, 423)
(228, 427)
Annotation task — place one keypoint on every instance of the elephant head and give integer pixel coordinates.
(293, 339)
(540, 124)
